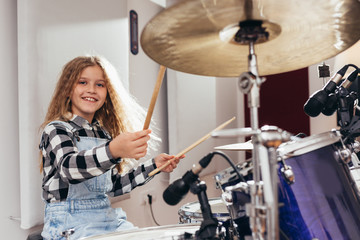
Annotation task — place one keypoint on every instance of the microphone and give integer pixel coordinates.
(180, 187)
(317, 100)
(332, 102)
(330, 106)
(350, 79)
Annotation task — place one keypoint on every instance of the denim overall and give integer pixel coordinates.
(87, 209)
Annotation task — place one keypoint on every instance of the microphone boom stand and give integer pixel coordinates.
(209, 224)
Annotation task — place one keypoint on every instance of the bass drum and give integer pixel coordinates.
(323, 201)
(169, 232)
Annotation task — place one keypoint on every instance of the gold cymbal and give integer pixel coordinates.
(197, 36)
(246, 146)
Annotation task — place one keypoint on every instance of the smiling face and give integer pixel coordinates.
(89, 93)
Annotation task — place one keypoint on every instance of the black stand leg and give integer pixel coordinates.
(209, 224)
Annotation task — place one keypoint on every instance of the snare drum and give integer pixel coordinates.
(191, 212)
(322, 203)
(169, 232)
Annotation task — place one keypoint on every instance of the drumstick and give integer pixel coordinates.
(154, 96)
(190, 147)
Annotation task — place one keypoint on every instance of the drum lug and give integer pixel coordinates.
(355, 146)
(345, 155)
(288, 174)
(227, 193)
(227, 197)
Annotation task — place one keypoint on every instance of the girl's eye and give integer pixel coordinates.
(82, 82)
(100, 85)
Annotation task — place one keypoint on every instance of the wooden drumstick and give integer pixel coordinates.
(154, 96)
(190, 147)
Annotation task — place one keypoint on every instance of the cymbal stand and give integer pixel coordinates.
(261, 223)
(263, 209)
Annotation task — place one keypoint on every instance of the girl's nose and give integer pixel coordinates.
(91, 88)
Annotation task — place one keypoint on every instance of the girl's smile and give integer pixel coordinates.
(89, 93)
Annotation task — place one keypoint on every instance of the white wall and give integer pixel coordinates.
(9, 143)
(182, 119)
(10, 176)
(47, 40)
(144, 70)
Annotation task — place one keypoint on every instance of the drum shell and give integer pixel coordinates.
(322, 203)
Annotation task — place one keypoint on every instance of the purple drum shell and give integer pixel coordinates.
(322, 202)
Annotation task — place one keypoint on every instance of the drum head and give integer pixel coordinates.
(169, 232)
(304, 145)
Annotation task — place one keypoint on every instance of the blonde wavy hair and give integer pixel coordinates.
(120, 112)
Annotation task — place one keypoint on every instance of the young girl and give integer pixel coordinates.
(89, 138)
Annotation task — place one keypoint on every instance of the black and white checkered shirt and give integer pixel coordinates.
(64, 164)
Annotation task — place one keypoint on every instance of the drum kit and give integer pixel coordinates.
(293, 187)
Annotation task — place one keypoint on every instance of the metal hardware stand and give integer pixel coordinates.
(263, 209)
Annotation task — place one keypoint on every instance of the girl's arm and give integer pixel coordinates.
(60, 154)
(140, 175)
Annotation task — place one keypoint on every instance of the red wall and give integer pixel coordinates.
(282, 98)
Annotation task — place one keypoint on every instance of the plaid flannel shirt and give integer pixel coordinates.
(63, 164)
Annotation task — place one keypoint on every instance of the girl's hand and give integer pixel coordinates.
(163, 158)
(130, 145)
